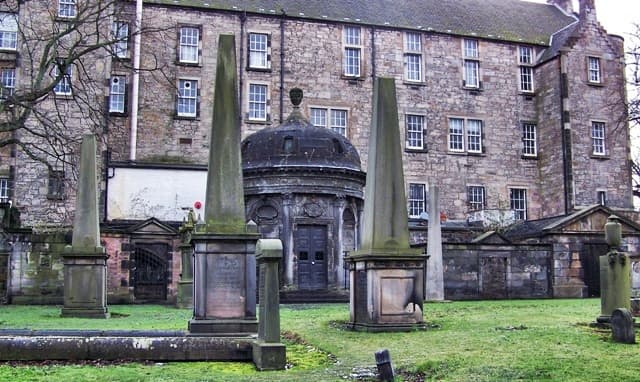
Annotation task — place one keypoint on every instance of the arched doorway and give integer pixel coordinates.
(149, 273)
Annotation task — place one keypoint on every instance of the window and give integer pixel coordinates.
(465, 135)
(529, 142)
(8, 31)
(67, 9)
(117, 94)
(595, 76)
(337, 120)
(352, 51)
(56, 184)
(518, 202)
(121, 37)
(187, 98)
(259, 57)
(4, 190)
(417, 199)
(189, 39)
(602, 197)
(597, 138)
(412, 57)
(471, 64)
(415, 132)
(257, 102)
(525, 59)
(63, 87)
(7, 82)
(476, 198)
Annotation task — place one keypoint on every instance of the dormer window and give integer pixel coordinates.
(287, 145)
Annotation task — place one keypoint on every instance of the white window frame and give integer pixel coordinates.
(259, 50)
(414, 131)
(471, 63)
(476, 196)
(258, 102)
(8, 82)
(413, 57)
(529, 139)
(189, 44)
(187, 102)
(352, 60)
(598, 141)
(336, 119)
(416, 199)
(120, 34)
(117, 94)
(525, 70)
(4, 189)
(8, 31)
(67, 9)
(465, 135)
(594, 70)
(518, 202)
(63, 87)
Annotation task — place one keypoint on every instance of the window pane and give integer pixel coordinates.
(187, 98)
(352, 62)
(474, 136)
(594, 69)
(476, 198)
(319, 117)
(117, 94)
(597, 138)
(471, 73)
(258, 50)
(416, 199)
(518, 201)
(258, 102)
(352, 36)
(189, 44)
(413, 42)
(413, 64)
(67, 8)
(471, 48)
(415, 131)
(121, 35)
(526, 55)
(7, 82)
(339, 121)
(529, 140)
(526, 78)
(4, 190)
(456, 137)
(8, 31)
(63, 87)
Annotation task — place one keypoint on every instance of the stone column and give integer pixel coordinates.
(224, 261)
(615, 280)
(268, 352)
(85, 261)
(185, 284)
(386, 274)
(287, 237)
(435, 273)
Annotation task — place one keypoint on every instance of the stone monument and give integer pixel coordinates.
(268, 352)
(386, 274)
(224, 261)
(85, 261)
(435, 272)
(185, 284)
(615, 281)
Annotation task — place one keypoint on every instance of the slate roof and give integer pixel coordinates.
(507, 20)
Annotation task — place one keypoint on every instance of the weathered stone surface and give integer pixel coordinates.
(434, 290)
(622, 326)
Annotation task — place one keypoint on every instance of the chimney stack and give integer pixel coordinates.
(587, 10)
(565, 5)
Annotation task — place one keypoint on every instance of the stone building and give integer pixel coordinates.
(504, 104)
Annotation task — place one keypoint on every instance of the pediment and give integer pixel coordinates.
(491, 237)
(592, 220)
(152, 226)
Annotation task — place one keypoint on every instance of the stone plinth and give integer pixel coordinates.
(615, 284)
(85, 285)
(268, 352)
(224, 284)
(387, 292)
(185, 285)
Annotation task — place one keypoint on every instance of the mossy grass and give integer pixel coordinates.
(517, 340)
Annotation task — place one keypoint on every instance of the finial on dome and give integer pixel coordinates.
(296, 96)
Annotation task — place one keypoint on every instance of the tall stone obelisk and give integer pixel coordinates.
(224, 245)
(386, 274)
(435, 271)
(85, 261)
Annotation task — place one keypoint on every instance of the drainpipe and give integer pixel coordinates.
(373, 52)
(565, 116)
(282, 64)
(133, 138)
(243, 20)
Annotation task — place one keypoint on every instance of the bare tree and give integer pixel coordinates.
(633, 104)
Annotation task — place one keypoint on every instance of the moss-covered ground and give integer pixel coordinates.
(521, 340)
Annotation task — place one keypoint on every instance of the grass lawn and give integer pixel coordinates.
(467, 341)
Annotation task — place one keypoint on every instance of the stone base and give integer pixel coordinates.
(375, 328)
(185, 294)
(224, 327)
(635, 306)
(570, 291)
(269, 356)
(85, 312)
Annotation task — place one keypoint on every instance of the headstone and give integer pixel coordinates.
(386, 274)
(615, 279)
(435, 272)
(385, 368)
(85, 261)
(185, 284)
(622, 327)
(268, 352)
(224, 295)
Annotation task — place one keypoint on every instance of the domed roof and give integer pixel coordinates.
(297, 143)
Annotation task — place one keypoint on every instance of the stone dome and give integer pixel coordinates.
(297, 143)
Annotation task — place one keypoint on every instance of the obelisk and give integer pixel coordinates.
(224, 260)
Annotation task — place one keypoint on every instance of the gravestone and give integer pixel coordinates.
(224, 261)
(615, 280)
(185, 284)
(386, 274)
(85, 261)
(435, 271)
(622, 327)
